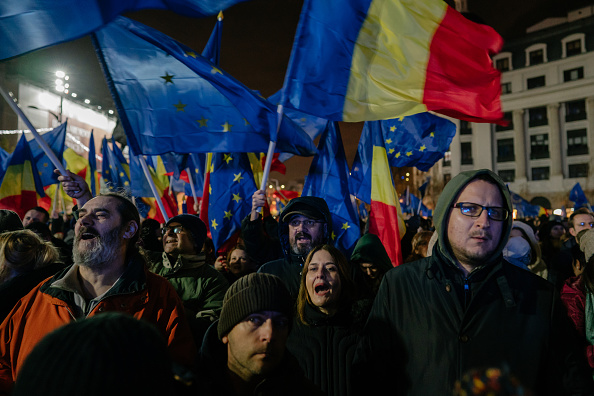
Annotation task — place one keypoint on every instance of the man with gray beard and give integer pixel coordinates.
(303, 224)
(108, 274)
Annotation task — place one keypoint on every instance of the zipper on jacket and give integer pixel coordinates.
(466, 293)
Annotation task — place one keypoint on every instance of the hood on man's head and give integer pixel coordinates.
(313, 207)
(193, 224)
(451, 192)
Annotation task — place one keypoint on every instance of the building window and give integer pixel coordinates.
(466, 148)
(447, 158)
(537, 116)
(578, 170)
(535, 82)
(506, 88)
(502, 64)
(573, 47)
(540, 173)
(539, 146)
(573, 74)
(573, 44)
(508, 175)
(507, 116)
(465, 128)
(536, 57)
(575, 110)
(536, 54)
(577, 142)
(446, 178)
(505, 150)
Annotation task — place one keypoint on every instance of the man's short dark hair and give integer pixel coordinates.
(42, 210)
(580, 211)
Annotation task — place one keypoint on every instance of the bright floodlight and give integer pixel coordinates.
(60, 74)
(60, 88)
(110, 111)
(74, 95)
(87, 101)
(59, 82)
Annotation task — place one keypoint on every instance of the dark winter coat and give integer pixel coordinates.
(430, 324)
(325, 347)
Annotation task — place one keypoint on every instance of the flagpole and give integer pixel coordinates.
(191, 183)
(151, 182)
(48, 151)
(271, 148)
(54, 203)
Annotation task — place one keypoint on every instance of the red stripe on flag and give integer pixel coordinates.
(460, 76)
(20, 203)
(383, 222)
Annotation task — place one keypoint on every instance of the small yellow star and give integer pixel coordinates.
(397, 155)
(39, 173)
(423, 147)
(388, 141)
(246, 122)
(214, 224)
(180, 106)
(390, 151)
(196, 170)
(211, 168)
(190, 53)
(333, 235)
(209, 189)
(215, 71)
(408, 153)
(236, 197)
(227, 158)
(228, 214)
(202, 122)
(126, 183)
(226, 127)
(400, 118)
(168, 78)
(107, 171)
(392, 128)
(346, 226)
(45, 164)
(237, 177)
(121, 174)
(432, 134)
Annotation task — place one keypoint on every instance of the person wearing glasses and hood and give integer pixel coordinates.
(200, 286)
(304, 224)
(465, 307)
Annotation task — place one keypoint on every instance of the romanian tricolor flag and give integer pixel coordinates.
(19, 181)
(365, 60)
(371, 182)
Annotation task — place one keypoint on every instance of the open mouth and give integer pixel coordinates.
(322, 288)
(88, 234)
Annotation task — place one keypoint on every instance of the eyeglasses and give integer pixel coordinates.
(583, 223)
(175, 230)
(475, 210)
(306, 223)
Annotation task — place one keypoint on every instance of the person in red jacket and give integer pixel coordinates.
(108, 274)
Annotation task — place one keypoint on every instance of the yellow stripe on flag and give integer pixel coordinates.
(388, 70)
(17, 178)
(382, 189)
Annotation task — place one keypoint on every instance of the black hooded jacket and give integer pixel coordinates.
(289, 268)
(430, 323)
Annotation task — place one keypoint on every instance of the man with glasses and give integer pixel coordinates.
(465, 307)
(303, 224)
(571, 258)
(199, 285)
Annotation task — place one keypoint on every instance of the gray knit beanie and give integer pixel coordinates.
(253, 293)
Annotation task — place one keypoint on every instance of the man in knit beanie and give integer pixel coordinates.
(244, 353)
(198, 284)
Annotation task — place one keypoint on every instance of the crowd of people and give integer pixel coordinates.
(107, 303)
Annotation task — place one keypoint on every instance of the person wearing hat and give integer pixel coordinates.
(199, 285)
(244, 352)
(304, 224)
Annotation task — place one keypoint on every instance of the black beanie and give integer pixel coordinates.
(9, 221)
(253, 293)
(193, 224)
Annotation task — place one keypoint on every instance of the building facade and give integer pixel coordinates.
(547, 97)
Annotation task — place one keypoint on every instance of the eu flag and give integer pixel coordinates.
(171, 99)
(231, 188)
(55, 139)
(27, 25)
(578, 197)
(328, 178)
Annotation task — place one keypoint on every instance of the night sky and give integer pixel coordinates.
(257, 40)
